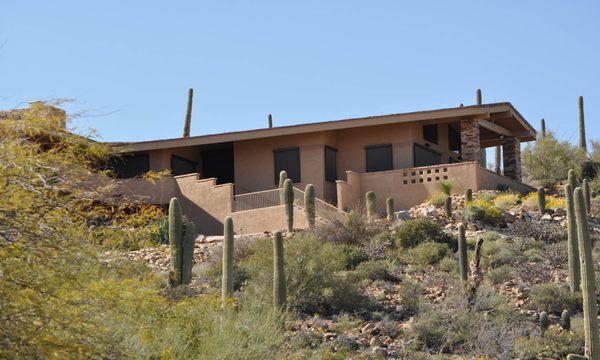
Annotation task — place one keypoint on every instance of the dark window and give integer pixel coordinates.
(454, 138)
(129, 166)
(287, 160)
(424, 156)
(182, 166)
(430, 133)
(379, 158)
(218, 163)
(330, 164)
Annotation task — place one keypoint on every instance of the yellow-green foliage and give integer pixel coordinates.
(437, 200)
(506, 200)
(483, 210)
(552, 201)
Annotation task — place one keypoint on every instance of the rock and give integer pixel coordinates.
(547, 217)
(402, 215)
(378, 351)
(329, 335)
(431, 212)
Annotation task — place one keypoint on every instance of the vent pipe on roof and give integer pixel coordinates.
(188, 114)
(270, 120)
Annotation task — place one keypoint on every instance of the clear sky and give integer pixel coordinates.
(128, 64)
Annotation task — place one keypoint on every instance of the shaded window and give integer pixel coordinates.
(287, 160)
(454, 138)
(218, 163)
(330, 164)
(430, 133)
(379, 158)
(424, 156)
(130, 166)
(182, 166)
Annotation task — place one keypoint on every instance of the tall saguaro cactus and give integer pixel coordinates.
(479, 97)
(543, 128)
(588, 283)
(587, 195)
(188, 114)
(572, 242)
(279, 286)
(227, 276)
(572, 179)
(462, 253)
(541, 198)
(309, 205)
(187, 258)
(282, 178)
(469, 195)
(582, 140)
(175, 241)
(371, 204)
(448, 206)
(389, 208)
(270, 121)
(288, 199)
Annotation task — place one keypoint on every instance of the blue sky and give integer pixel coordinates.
(128, 64)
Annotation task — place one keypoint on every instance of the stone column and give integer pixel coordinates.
(511, 153)
(469, 138)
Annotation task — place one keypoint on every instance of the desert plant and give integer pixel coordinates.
(482, 210)
(227, 277)
(371, 204)
(175, 241)
(413, 232)
(501, 274)
(544, 322)
(270, 121)
(389, 208)
(446, 187)
(469, 195)
(506, 200)
(565, 320)
(572, 179)
(573, 246)
(590, 312)
(427, 253)
(462, 253)
(478, 97)
(543, 128)
(547, 161)
(554, 298)
(282, 179)
(279, 286)
(309, 204)
(437, 200)
(187, 257)
(188, 114)
(288, 199)
(582, 140)
(448, 206)
(541, 200)
(587, 195)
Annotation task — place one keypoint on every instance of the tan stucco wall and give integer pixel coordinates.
(266, 219)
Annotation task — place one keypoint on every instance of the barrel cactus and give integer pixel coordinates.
(309, 205)
(448, 206)
(469, 195)
(541, 199)
(572, 242)
(544, 322)
(227, 276)
(279, 286)
(371, 203)
(462, 253)
(588, 284)
(288, 200)
(565, 320)
(389, 208)
(175, 241)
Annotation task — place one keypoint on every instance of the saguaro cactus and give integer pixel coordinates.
(543, 128)
(462, 253)
(588, 284)
(565, 320)
(478, 97)
(448, 206)
(469, 195)
(389, 208)
(227, 277)
(587, 195)
(282, 179)
(279, 286)
(371, 204)
(572, 179)
(175, 241)
(544, 322)
(270, 121)
(582, 140)
(572, 242)
(188, 114)
(288, 199)
(187, 258)
(309, 204)
(541, 199)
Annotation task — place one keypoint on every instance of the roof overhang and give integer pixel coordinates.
(500, 118)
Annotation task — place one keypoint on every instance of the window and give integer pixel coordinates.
(424, 156)
(379, 158)
(330, 164)
(430, 133)
(130, 166)
(287, 160)
(454, 138)
(182, 166)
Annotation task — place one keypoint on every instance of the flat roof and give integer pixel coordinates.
(497, 113)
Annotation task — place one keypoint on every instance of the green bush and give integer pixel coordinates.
(555, 344)
(379, 246)
(410, 294)
(482, 210)
(427, 253)
(437, 200)
(501, 274)
(554, 298)
(374, 270)
(413, 232)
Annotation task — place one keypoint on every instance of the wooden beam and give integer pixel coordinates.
(495, 128)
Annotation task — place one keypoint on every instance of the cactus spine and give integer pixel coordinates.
(270, 121)
(572, 179)
(574, 272)
(448, 206)
(582, 141)
(227, 276)
(543, 128)
(187, 258)
(541, 198)
(389, 208)
(175, 241)
(587, 195)
(371, 204)
(188, 114)
(565, 320)
(478, 97)
(282, 179)
(279, 287)
(309, 204)
(462, 253)
(588, 284)
(469, 195)
(288, 199)
(544, 322)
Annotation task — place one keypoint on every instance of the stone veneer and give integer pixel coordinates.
(511, 152)
(469, 138)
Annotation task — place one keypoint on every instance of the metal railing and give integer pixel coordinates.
(323, 210)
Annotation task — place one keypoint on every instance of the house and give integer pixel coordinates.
(403, 156)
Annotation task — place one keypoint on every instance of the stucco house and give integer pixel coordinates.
(403, 156)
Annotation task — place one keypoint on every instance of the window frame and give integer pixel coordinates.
(325, 164)
(379, 146)
(276, 171)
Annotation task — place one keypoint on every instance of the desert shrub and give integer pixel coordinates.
(555, 344)
(354, 231)
(497, 251)
(545, 231)
(501, 274)
(242, 248)
(378, 246)
(374, 270)
(345, 322)
(354, 255)
(506, 200)
(486, 196)
(554, 298)
(448, 265)
(315, 275)
(410, 294)
(547, 160)
(552, 201)
(427, 253)
(437, 200)
(481, 210)
(446, 187)
(416, 231)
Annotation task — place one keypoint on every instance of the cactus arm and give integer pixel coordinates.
(288, 196)
(282, 179)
